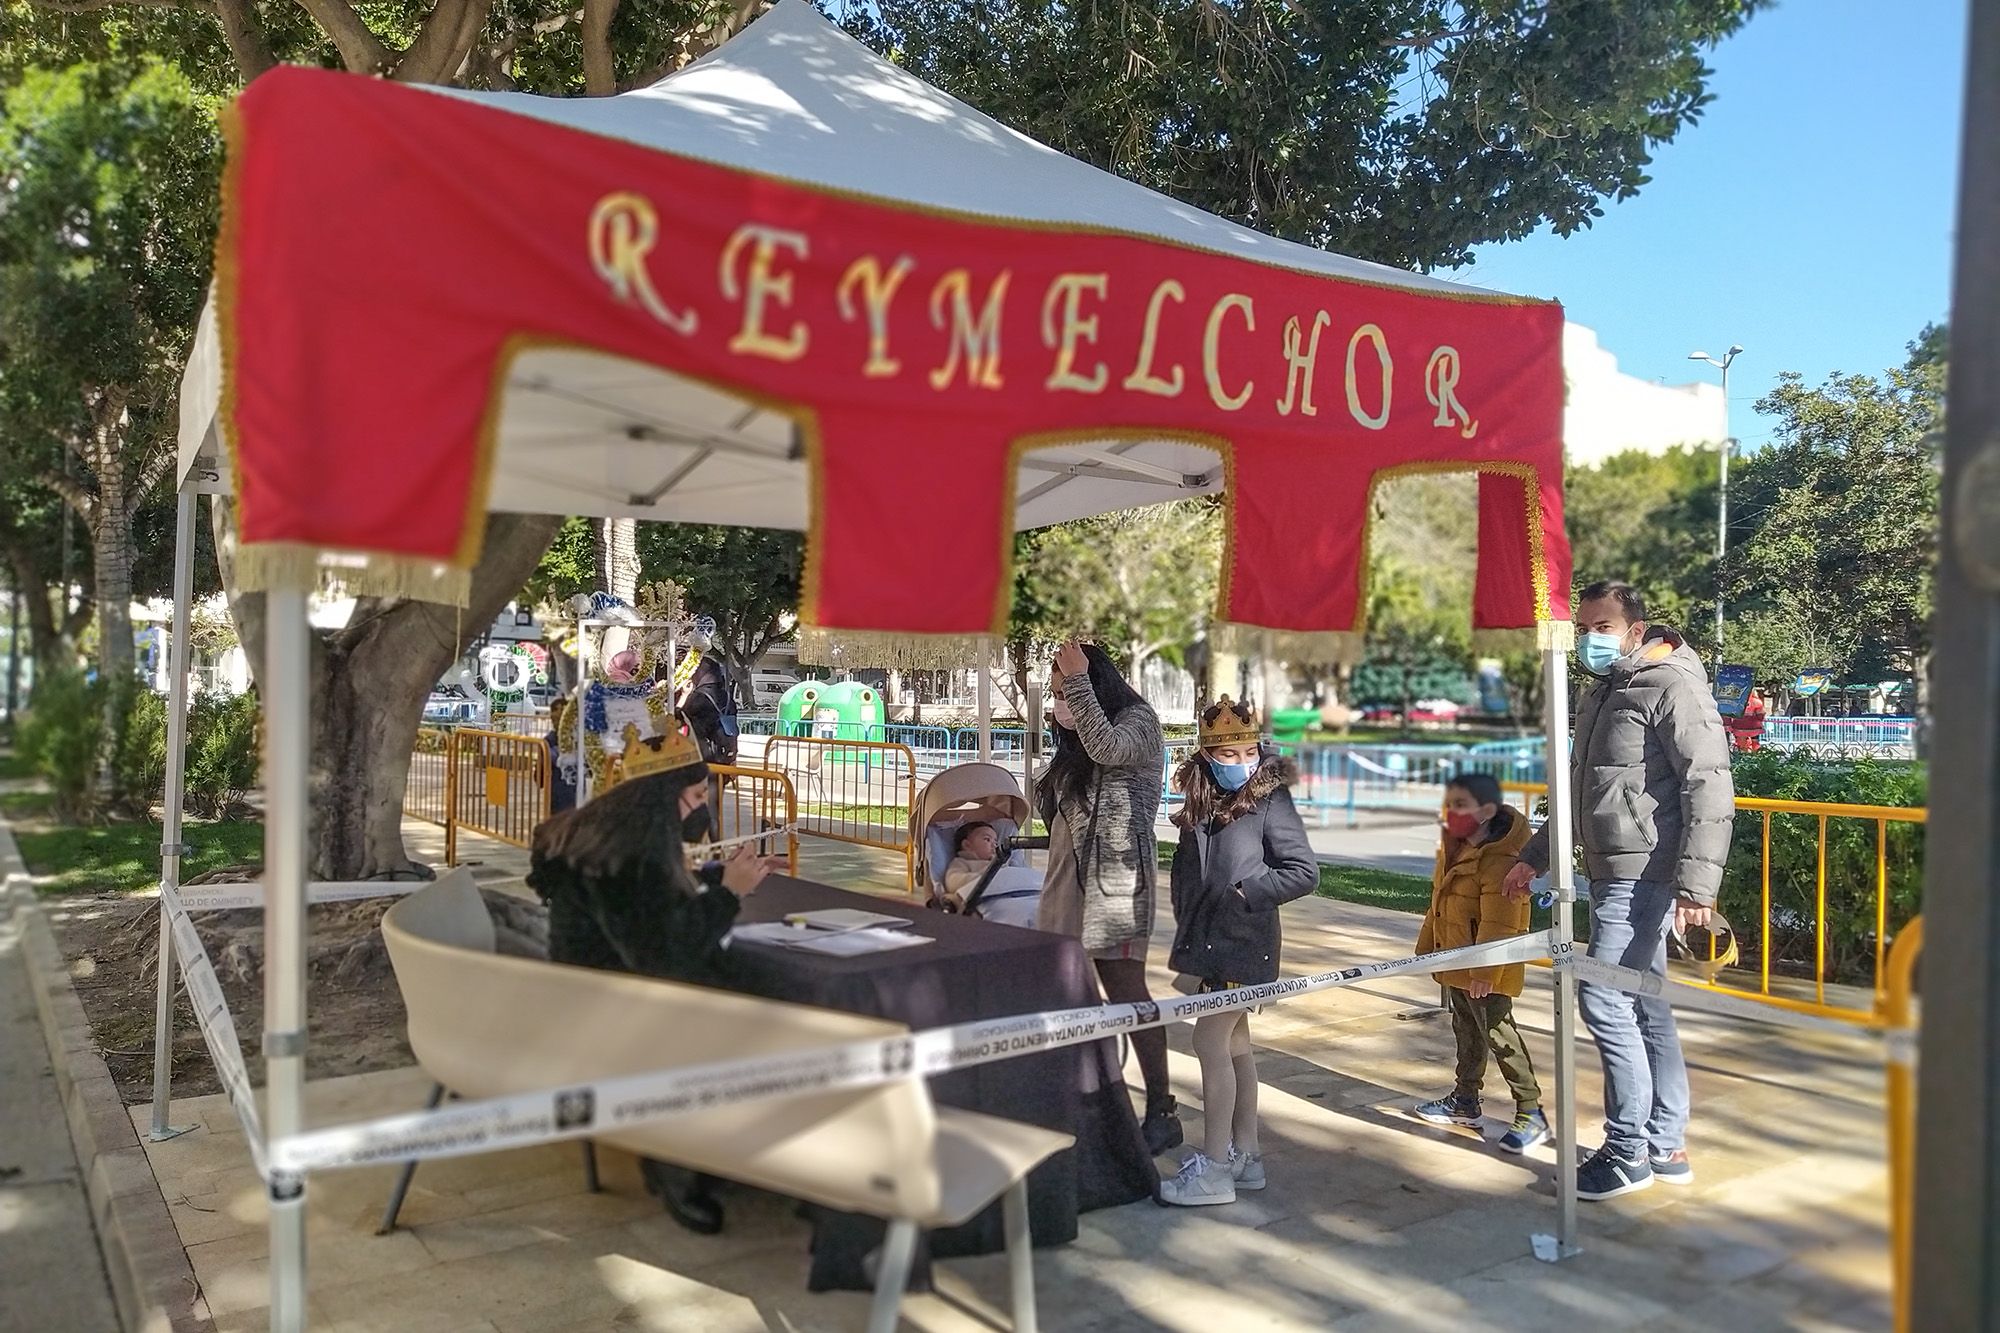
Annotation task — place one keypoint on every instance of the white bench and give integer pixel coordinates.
(483, 1025)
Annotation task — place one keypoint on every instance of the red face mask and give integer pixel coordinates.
(1461, 825)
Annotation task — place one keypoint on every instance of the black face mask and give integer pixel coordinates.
(695, 825)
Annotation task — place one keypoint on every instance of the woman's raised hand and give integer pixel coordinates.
(745, 870)
(1070, 660)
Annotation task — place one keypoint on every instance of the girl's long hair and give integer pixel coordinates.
(1202, 797)
(1072, 771)
(633, 830)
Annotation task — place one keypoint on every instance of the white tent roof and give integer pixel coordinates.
(793, 96)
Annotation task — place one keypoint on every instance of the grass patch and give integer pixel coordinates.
(895, 816)
(14, 768)
(1358, 884)
(125, 858)
(24, 805)
(1375, 888)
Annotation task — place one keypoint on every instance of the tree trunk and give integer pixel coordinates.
(111, 540)
(370, 680)
(617, 544)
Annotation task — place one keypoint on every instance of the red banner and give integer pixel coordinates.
(387, 252)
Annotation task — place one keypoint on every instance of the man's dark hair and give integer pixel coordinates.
(1481, 787)
(1628, 598)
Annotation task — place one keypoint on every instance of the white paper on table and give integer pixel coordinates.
(768, 932)
(851, 943)
(847, 918)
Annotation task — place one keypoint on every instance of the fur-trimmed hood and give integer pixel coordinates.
(1274, 772)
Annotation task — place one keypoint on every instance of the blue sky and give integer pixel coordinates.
(1807, 215)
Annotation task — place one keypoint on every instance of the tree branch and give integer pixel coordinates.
(447, 39)
(94, 6)
(245, 36)
(360, 49)
(74, 493)
(600, 74)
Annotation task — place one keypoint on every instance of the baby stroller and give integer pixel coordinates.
(1009, 890)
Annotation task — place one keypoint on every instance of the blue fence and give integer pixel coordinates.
(1883, 737)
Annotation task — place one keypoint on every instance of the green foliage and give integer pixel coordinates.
(59, 735)
(568, 567)
(1402, 132)
(1649, 520)
(1833, 526)
(139, 739)
(223, 754)
(1851, 852)
(746, 578)
(1142, 582)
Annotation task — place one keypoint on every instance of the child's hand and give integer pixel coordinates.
(1479, 990)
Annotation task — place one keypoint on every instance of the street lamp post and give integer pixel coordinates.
(1722, 506)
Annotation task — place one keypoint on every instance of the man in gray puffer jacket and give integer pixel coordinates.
(1654, 807)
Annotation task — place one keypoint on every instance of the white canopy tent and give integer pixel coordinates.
(587, 433)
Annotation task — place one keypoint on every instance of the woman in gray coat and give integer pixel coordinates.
(1099, 798)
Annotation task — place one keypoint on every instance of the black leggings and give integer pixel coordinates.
(1125, 983)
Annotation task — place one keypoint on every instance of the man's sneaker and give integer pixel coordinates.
(1606, 1175)
(1247, 1168)
(1529, 1130)
(1672, 1168)
(1162, 1126)
(1199, 1182)
(1452, 1110)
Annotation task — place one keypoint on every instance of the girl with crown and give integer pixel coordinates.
(1242, 855)
(621, 897)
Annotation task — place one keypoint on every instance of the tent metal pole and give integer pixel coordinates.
(1555, 689)
(170, 836)
(583, 628)
(287, 690)
(985, 657)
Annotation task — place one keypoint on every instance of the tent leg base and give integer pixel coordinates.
(1550, 1250)
(162, 1133)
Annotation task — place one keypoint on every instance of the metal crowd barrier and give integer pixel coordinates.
(1775, 918)
(852, 791)
(750, 801)
(493, 783)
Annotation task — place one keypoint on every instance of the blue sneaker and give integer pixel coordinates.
(1529, 1130)
(1452, 1110)
(1606, 1175)
(1672, 1168)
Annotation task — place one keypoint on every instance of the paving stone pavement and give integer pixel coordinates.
(1373, 1220)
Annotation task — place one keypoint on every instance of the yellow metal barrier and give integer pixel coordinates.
(859, 792)
(1882, 816)
(499, 787)
(425, 794)
(1899, 1016)
(486, 782)
(751, 800)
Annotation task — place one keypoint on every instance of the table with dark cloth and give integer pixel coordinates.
(972, 970)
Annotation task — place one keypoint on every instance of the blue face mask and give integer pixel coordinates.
(1231, 777)
(1598, 651)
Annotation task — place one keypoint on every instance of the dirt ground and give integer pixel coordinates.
(356, 1016)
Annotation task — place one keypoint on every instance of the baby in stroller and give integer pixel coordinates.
(965, 822)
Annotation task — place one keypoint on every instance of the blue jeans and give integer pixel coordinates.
(1645, 1079)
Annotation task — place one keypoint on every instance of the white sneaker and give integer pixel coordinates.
(1247, 1168)
(1199, 1182)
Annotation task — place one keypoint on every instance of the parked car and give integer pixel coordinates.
(767, 687)
(450, 708)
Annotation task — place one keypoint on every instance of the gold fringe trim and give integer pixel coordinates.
(886, 650)
(1538, 637)
(268, 565)
(1337, 647)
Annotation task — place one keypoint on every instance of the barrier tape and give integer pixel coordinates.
(233, 897)
(520, 1119)
(1599, 972)
(218, 1025)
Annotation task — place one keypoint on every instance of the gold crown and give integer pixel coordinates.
(1228, 726)
(647, 755)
